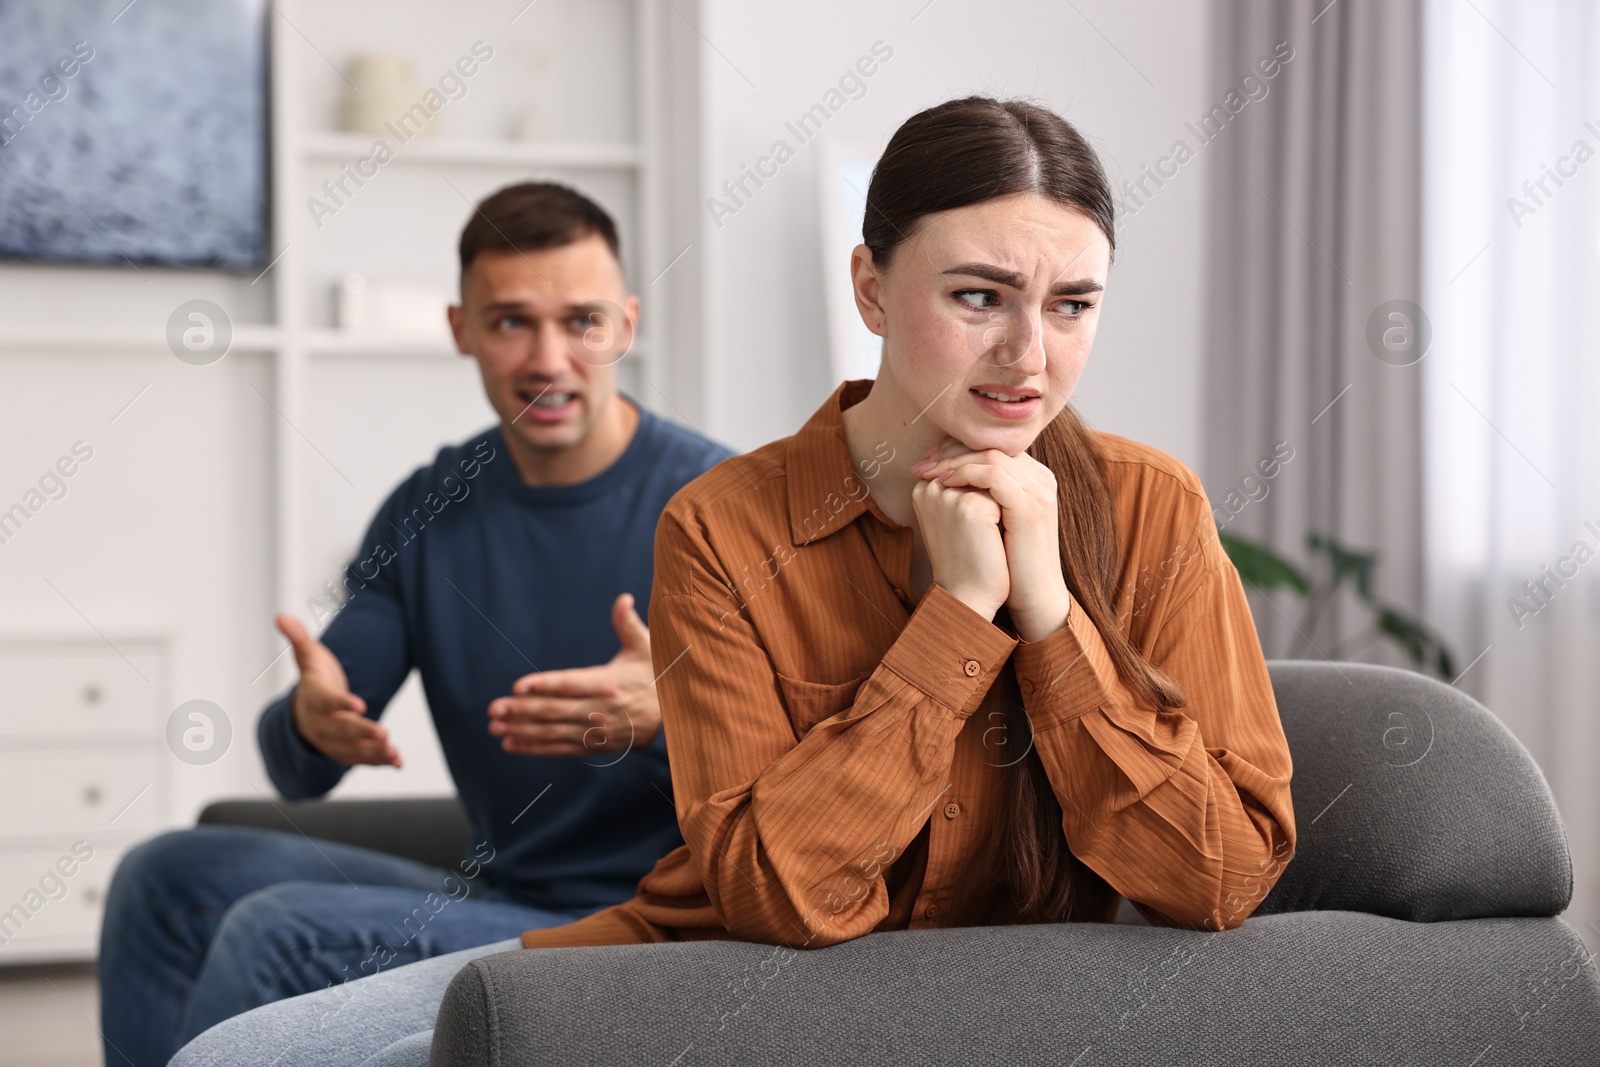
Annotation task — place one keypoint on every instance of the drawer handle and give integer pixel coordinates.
(92, 895)
(93, 694)
(92, 795)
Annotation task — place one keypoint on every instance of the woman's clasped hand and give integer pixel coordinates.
(990, 524)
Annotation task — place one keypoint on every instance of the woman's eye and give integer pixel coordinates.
(977, 299)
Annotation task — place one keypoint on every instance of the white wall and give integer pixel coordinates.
(766, 364)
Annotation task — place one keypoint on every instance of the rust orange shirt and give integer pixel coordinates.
(827, 736)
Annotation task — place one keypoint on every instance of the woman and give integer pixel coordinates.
(946, 656)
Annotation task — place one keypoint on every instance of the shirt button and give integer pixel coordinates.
(900, 594)
(951, 810)
(931, 911)
(1027, 687)
(971, 667)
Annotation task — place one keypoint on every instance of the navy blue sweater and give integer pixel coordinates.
(476, 578)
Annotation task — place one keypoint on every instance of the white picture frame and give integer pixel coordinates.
(844, 169)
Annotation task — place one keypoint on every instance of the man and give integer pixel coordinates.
(513, 573)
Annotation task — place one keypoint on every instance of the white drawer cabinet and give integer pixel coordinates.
(46, 914)
(83, 759)
(79, 790)
(54, 690)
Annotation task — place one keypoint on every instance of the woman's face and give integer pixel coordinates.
(988, 313)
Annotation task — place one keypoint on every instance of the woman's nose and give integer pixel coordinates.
(1013, 339)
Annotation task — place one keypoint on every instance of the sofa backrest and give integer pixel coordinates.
(1411, 800)
(431, 830)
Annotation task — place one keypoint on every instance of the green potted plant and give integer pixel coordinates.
(1263, 568)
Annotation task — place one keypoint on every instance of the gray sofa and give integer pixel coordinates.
(1416, 924)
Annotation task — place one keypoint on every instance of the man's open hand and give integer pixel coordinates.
(327, 715)
(585, 711)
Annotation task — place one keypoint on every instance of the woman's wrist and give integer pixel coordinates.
(979, 601)
(1035, 622)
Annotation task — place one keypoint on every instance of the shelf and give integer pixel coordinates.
(345, 343)
(250, 338)
(246, 339)
(409, 346)
(348, 147)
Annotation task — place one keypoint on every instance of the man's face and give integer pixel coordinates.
(547, 329)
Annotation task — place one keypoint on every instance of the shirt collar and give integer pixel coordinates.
(826, 494)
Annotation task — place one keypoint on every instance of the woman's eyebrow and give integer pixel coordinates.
(1000, 275)
(990, 272)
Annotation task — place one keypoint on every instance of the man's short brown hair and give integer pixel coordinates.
(534, 215)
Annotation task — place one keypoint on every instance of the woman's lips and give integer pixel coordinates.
(1005, 409)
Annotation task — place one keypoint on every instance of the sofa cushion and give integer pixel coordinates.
(1312, 988)
(1411, 800)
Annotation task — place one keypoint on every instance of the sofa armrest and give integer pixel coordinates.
(431, 830)
(1307, 988)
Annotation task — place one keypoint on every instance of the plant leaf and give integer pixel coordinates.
(1419, 641)
(1345, 561)
(1261, 566)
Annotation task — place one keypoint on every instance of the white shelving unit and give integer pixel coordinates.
(620, 171)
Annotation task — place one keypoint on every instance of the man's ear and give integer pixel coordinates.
(630, 308)
(867, 281)
(458, 322)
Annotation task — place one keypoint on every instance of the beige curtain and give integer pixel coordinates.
(1314, 236)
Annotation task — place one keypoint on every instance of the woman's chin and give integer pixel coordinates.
(1012, 440)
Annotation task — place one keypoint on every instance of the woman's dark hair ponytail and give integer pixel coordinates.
(958, 153)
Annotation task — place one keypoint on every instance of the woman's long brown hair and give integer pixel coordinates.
(958, 153)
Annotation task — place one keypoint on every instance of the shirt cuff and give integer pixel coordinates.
(1066, 675)
(949, 651)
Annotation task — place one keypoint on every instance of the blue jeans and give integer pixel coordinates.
(204, 924)
(382, 1021)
